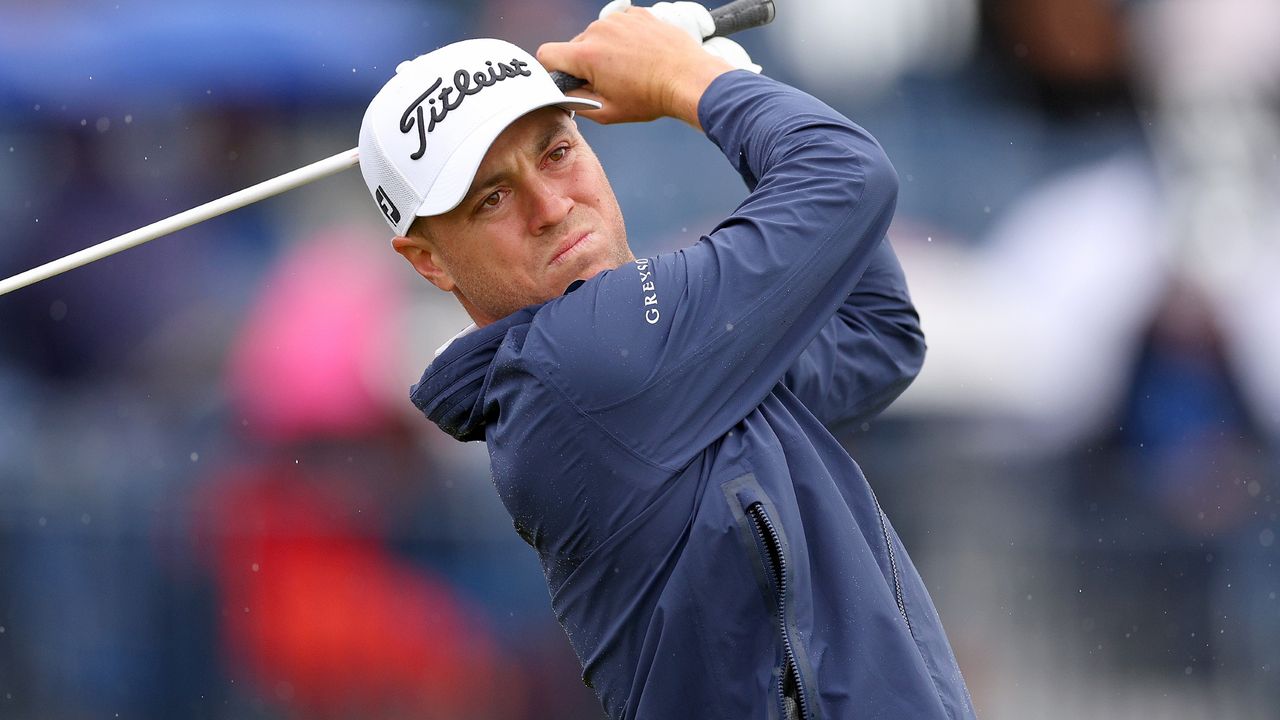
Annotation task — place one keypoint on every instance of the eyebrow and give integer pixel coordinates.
(537, 148)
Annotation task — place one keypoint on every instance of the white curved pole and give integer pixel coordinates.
(212, 209)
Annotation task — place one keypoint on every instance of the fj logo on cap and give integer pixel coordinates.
(388, 208)
(464, 83)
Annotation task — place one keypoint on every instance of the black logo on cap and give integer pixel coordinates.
(388, 207)
(464, 83)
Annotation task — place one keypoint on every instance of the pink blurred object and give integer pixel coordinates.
(314, 357)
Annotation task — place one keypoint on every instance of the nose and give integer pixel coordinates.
(551, 205)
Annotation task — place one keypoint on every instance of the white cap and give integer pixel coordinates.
(426, 131)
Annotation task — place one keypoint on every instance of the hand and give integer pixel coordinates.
(639, 67)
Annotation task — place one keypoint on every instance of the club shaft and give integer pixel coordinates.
(212, 209)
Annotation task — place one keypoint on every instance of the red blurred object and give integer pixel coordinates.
(327, 622)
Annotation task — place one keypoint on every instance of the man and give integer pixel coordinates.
(656, 425)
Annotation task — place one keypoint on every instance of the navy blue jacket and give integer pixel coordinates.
(659, 436)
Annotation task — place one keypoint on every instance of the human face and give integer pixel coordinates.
(539, 215)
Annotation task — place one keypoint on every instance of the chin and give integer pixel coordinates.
(597, 259)
(597, 266)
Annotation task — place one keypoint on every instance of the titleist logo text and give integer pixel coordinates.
(464, 83)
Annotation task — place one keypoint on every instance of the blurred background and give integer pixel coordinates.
(217, 502)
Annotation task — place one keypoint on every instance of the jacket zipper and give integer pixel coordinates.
(789, 685)
(893, 567)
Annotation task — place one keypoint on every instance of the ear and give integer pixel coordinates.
(425, 259)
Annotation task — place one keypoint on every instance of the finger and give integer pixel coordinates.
(562, 56)
(585, 93)
(603, 116)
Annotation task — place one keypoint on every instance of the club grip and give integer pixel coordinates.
(730, 18)
(566, 82)
(741, 15)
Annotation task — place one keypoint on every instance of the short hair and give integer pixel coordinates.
(418, 228)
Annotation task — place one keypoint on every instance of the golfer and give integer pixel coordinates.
(658, 426)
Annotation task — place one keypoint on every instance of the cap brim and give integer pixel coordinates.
(459, 170)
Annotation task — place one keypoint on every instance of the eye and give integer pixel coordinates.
(491, 202)
(558, 154)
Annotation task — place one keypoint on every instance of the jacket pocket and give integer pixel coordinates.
(766, 544)
(893, 565)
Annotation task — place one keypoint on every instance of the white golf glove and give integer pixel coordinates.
(695, 20)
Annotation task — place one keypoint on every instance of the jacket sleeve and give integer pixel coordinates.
(867, 353)
(666, 354)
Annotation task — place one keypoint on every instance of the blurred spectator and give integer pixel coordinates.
(1115, 320)
(324, 621)
(1072, 274)
(1072, 56)
(317, 612)
(1175, 500)
(861, 47)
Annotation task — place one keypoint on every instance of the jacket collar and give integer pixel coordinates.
(452, 390)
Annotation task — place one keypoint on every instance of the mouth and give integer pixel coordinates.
(570, 246)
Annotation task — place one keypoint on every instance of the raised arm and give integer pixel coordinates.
(670, 352)
(867, 353)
